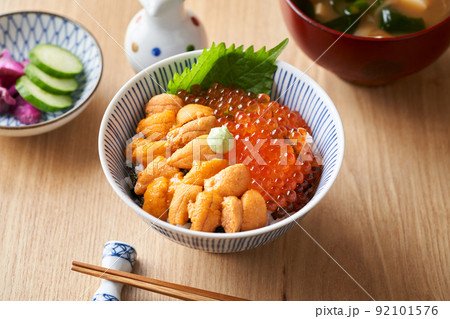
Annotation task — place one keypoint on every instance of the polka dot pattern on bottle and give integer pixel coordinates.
(195, 21)
(156, 51)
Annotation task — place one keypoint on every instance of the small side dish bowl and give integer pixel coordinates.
(366, 60)
(22, 31)
(291, 86)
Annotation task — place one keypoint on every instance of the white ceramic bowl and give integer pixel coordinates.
(22, 31)
(294, 88)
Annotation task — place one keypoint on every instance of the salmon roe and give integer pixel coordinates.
(270, 139)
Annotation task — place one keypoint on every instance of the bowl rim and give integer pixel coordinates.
(362, 38)
(251, 233)
(86, 99)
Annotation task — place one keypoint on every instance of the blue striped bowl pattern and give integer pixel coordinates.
(22, 31)
(291, 86)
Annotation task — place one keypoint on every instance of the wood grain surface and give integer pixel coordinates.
(385, 222)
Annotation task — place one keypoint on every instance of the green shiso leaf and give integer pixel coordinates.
(248, 70)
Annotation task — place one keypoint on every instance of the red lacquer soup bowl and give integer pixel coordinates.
(365, 60)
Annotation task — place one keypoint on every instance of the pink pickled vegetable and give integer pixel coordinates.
(10, 69)
(6, 100)
(10, 100)
(25, 62)
(3, 107)
(25, 112)
(5, 54)
(6, 96)
(13, 91)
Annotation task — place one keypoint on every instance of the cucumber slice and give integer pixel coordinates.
(55, 60)
(41, 99)
(50, 83)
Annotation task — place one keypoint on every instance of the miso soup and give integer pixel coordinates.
(376, 18)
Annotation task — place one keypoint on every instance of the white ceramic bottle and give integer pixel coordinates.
(161, 29)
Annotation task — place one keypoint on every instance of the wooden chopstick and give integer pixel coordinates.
(154, 285)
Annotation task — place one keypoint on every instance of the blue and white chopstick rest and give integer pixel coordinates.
(119, 256)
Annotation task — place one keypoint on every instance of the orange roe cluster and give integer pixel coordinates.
(270, 140)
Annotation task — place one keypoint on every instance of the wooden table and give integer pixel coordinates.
(385, 221)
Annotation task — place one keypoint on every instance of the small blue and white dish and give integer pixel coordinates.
(22, 31)
(293, 88)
